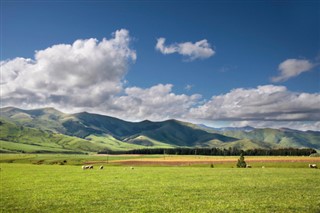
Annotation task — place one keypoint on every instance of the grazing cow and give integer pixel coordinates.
(313, 166)
(101, 167)
(85, 167)
(248, 166)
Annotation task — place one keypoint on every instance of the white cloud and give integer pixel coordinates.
(291, 68)
(11, 69)
(197, 50)
(85, 73)
(154, 103)
(264, 103)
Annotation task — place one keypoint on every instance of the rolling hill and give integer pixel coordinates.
(55, 131)
(272, 138)
(281, 137)
(16, 138)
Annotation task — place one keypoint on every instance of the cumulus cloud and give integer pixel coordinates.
(85, 73)
(154, 103)
(291, 68)
(198, 50)
(264, 103)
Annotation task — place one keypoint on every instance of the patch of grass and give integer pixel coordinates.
(53, 188)
(109, 142)
(20, 147)
(149, 142)
(71, 159)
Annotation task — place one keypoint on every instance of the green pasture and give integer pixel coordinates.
(27, 187)
(65, 159)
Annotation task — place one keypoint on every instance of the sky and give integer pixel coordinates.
(219, 63)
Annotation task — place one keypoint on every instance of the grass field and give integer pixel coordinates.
(65, 159)
(26, 187)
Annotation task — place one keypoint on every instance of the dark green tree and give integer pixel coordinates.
(241, 163)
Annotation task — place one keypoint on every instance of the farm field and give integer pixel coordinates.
(282, 186)
(159, 160)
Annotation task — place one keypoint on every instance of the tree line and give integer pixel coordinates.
(217, 151)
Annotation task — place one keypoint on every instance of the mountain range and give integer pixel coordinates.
(49, 130)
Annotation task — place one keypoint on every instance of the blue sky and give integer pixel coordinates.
(249, 41)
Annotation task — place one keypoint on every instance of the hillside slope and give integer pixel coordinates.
(83, 124)
(94, 132)
(15, 138)
(280, 137)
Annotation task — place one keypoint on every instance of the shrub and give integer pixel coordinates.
(241, 163)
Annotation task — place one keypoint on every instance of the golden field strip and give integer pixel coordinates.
(193, 160)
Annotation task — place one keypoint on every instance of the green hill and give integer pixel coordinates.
(14, 138)
(49, 130)
(171, 132)
(280, 138)
(19, 138)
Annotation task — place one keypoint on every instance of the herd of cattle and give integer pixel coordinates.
(84, 167)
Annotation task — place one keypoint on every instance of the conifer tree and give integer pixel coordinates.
(241, 163)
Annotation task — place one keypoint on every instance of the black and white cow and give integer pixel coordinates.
(313, 166)
(87, 167)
